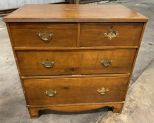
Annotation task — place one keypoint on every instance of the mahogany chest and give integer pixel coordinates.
(75, 58)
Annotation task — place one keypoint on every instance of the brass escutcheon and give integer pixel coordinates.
(50, 92)
(111, 34)
(48, 64)
(106, 62)
(102, 90)
(45, 36)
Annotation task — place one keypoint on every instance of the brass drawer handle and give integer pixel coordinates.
(106, 62)
(111, 34)
(102, 90)
(48, 64)
(50, 92)
(45, 36)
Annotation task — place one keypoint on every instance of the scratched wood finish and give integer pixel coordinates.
(69, 62)
(26, 34)
(92, 34)
(74, 13)
(75, 90)
(77, 48)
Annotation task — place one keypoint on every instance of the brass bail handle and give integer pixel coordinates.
(47, 63)
(45, 36)
(106, 62)
(103, 90)
(50, 92)
(111, 34)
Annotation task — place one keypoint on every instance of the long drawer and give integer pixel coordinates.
(110, 34)
(75, 90)
(43, 34)
(69, 62)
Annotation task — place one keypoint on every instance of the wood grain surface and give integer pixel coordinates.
(75, 62)
(75, 90)
(26, 34)
(74, 13)
(92, 34)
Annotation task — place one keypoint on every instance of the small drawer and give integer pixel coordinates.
(43, 34)
(72, 62)
(75, 90)
(110, 34)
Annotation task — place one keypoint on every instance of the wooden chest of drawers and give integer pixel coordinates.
(75, 57)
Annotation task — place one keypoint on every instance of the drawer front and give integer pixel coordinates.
(43, 35)
(75, 90)
(75, 62)
(110, 34)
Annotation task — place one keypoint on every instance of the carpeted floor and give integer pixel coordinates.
(140, 100)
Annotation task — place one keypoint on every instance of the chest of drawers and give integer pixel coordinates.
(75, 58)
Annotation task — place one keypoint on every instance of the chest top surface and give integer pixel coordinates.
(74, 13)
